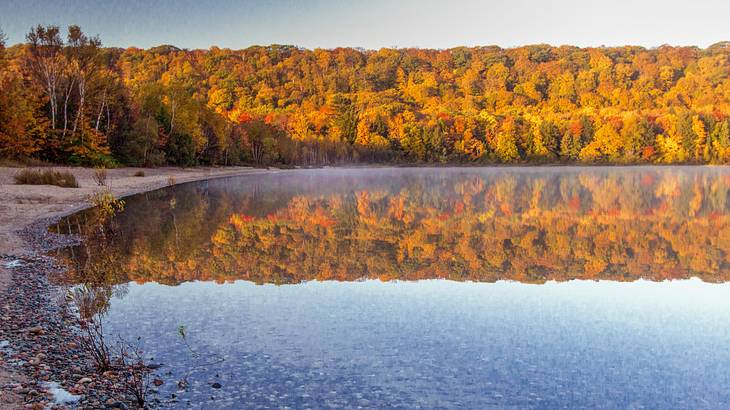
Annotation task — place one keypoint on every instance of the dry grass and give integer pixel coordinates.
(63, 179)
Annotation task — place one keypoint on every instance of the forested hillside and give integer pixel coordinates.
(66, 98)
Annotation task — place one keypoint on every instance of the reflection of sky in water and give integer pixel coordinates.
(439, 343)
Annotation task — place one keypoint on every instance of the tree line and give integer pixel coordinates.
(65, 98)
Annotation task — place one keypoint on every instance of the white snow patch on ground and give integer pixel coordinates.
(14, 264)
(61, 396)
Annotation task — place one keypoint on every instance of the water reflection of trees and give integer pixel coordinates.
(462, 225)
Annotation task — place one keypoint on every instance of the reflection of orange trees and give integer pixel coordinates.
(528, 228)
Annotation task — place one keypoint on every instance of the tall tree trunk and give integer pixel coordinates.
(108, 120)
(52, 98)
(82, 97)
(172, 116)
(65, 108)
(101, 110)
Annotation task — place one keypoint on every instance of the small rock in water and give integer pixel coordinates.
(216, 385)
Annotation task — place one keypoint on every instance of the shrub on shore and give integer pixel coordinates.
(63, 179)
(100, 176)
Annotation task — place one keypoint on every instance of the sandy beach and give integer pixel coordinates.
(24, 205)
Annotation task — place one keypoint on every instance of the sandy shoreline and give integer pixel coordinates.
(24, 205)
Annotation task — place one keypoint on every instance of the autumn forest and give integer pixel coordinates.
(65, 98)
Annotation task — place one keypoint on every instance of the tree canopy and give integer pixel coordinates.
(66, 98)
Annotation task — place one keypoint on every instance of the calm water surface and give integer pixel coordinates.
(427, 288)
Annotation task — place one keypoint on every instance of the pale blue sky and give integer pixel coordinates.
(378, 23)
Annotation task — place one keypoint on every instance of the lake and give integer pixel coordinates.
(536, 287)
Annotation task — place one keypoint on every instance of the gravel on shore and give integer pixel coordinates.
(42, 365)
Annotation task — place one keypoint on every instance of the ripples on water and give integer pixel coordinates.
(427, 288)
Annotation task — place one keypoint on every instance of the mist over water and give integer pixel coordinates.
(429, 287)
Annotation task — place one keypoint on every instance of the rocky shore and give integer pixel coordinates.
(39, 335)
(42, 365)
